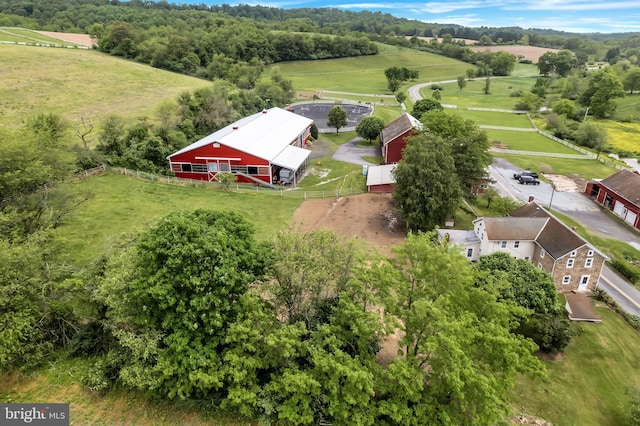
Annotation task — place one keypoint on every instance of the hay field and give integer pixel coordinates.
(77, 82)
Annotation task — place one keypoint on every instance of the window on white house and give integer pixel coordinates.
(503, 244)
(589, 262)
(542, 252)
(516, 244)
(570, 263)
(566, 279)
(469, 252)
(573, 253)
(590, 253)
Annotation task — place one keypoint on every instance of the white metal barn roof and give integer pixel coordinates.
(264, 134)
(380, 175)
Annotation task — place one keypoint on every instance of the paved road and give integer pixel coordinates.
(581, 208)
(350, 152)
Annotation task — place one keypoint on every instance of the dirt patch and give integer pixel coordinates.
(563, 183)
(370, 217)
(81, 39)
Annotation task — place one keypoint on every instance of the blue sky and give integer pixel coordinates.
(578, 16)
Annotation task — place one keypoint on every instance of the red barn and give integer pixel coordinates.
(394, 137)
(267, 147)
(380, 178)
(619, 192)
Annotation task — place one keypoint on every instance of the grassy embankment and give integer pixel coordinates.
(76, 82)
(20, 35)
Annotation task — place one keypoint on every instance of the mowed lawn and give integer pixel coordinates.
(365, 74)
(575, 168)
(21, 35)
(501, 91)
(528, 141)
(121, 205)
(495, 118)
(588, 386)
(79, 82)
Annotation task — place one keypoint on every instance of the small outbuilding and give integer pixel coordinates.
(268, 147)
(380, 178)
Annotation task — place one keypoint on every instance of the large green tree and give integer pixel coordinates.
(427, 189)
(502, 63)
(631, 79)
(592, 136)
(337, 117)
(425, 105)
(468, 143)
(459, 359)
(604, 87)
(369, 128)
(170, 298)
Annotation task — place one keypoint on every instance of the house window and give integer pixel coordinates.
(469, 252)
(589, 262)
(590, 253)
(539, 265)
(542, 253)
(186, 167)
(503, 244)
(516, 244)
(573, 253)
(570, 263)
(584, 279)
(566, 279)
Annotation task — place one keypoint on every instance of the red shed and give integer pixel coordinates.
(380, 178)
(267, 147)
(619, 192)
(394, 136)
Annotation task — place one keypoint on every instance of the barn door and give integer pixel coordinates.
(212, 168)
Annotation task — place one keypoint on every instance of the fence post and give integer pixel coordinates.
(305, 195)
(322, 194)
(137, 173)
(281, 193)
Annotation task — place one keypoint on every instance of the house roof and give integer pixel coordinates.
(380, 175)
(626, 184)
(264, 134)
(556, 238)
(514, 228)
(400, 126)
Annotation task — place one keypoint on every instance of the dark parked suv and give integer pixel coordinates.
(525, 173)
(528, 179)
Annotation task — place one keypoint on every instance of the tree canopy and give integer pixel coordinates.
(427, 189)
(337, 117)
(369, 128)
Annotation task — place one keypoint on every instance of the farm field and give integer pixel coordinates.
(365, 74)
(80, 82)
(574, 168)
(500, 91)
(527, 141)
(20, 35)
(531, 53)
(588, 385)
(623, 136)
(120, 205)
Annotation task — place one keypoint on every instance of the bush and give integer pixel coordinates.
(551, 332)
(629, 271)
(633, 414)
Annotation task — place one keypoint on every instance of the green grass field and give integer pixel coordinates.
(365, 74)
(495, 118)
(585, 169)
(122, 205)
(78, 82)
(20, 35)
(528, 141)
(588, 385)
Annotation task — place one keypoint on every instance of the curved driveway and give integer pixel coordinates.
(350, 152)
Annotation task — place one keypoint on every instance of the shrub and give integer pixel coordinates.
(551, 332)
(629, 271)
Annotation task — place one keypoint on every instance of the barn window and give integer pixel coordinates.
(176, 167)
(239, 169)
(199, 168)
(224, 167)
(186, 167)
(253, 170)
(263, 171)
